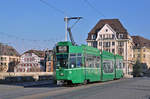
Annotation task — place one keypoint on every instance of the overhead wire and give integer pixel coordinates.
(25, 39)
(22, 43)
(33, 40)
(94, 8)
(53, 7)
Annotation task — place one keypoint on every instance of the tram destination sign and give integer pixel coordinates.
(62, 49)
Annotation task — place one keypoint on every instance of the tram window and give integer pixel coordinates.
(72, 55)
(108, 66)
(79, 61)
(89, 61)
(120, 65)
(79, 54)
(72, 60)
(98, 62)
(117, 64)
(62, 61)
(86, 60)
(105, 67)
(111, 66)
(94, 61)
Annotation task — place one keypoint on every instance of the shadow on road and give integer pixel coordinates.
(35, 84)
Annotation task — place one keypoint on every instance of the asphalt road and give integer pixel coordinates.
(136, 88)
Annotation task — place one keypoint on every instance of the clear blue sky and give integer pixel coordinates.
(28, 24)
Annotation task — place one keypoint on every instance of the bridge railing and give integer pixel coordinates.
(12, 76)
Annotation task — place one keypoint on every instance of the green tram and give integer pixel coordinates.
(83, 64)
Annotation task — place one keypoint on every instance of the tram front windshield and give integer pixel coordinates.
(62, 60)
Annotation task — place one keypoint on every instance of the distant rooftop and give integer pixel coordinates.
(8, 50)
(39, 53)
(115, 24)
(140, 41)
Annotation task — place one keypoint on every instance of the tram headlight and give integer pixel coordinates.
(72, 65)
(61, 74)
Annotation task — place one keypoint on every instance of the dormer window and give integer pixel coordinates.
(106, 30)
(93, 37)
(113, 36)
(100, 36)
(120, 36)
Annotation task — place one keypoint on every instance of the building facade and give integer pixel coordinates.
(141, 50)
(9, 58)
(31, 61)
(111, 36)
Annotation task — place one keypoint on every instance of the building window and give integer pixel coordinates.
(1, 58)
(94, 44)
(101, 36)
(100, 43)
(131, 47)
(113, 36)
(121, 44)
(120, 36)
(106, 44)
(144, 55)
(107, 36)
(108, 50)
(93, 37)
(104, 36)
(113, 43)
(106, 30)
(120, 51)
(113, 50)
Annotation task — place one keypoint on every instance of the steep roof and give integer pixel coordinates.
(140, 41)
(39, 53)
(8, 50)
(115, 24)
